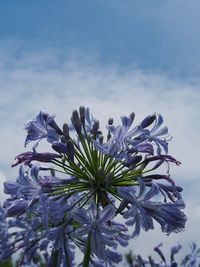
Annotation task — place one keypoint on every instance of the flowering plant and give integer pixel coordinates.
(192, 259)
(86, 183)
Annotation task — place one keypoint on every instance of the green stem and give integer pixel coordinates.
(86, 259)
(54, 258)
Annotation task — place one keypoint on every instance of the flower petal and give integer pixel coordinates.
(107, 214)
(81, 216)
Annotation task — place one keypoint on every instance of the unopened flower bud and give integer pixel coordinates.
(122, 206)
(132, 116)
(95, 127)
(110, 121)
(70, 151)
(76, 121)
(82, 115)
(59, 147)
(148, 121)
(66, 131)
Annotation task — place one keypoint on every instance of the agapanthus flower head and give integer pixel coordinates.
(76, 198)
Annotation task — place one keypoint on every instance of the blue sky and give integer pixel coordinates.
(153, 35)
(115, 57)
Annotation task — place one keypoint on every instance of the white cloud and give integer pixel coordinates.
(40, 80)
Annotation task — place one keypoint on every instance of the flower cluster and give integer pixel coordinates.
(74, 195)
(191, 259)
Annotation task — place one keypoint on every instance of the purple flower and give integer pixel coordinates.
(156, 133)
(15, 207)
(119, 135)
(23, 236)
(139, 139)
(59, 237)
(101, 233)
(142, 210)
(29, 186)
(91, 179)
(54, 210)
(26, 186)
(42, 126)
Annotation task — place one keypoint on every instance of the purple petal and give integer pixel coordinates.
(93, 210)
(11, 188)
(163, 131)
(16, 208)
(114, 256)
(81, 231)
(127, 193)
(108, 230)
(145, 147)
(148, 121)
(107, 214)
(81, 216)
(97, 244)
(142, 188)
(152, 192)
(158, 123)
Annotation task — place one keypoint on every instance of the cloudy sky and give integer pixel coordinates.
(114, 57)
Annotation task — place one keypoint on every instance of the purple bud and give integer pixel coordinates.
(76, 121)
(148, 121)
(66, 131)
(82, 115)
(123, 205)
(133, 161)
(28, 157)
(70, 151)
(174, 250)
(59, 147)
(110, 121)
(95, 127)
(157, 249)
(132, 116)
(53, 124)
